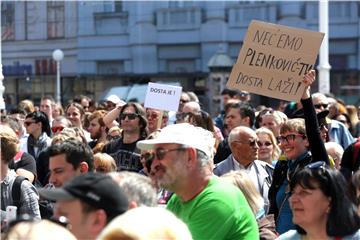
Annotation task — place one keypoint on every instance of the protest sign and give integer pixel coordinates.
(163, 97)
(274, 59)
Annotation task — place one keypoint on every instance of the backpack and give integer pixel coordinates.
(45, 206)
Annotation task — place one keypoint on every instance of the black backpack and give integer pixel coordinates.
(46, 207)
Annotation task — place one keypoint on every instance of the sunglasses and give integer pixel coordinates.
(56, 129)
(158, 153)
(251, 143)
(318, 106)
(62, 221)
(289, 138)
(130, 116)
(28, 123)
(266, 144)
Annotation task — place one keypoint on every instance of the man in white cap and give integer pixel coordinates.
(112, 101)
(181, 162)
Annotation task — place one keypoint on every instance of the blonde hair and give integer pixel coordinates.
(242, 180)
(276, 150)
(155, 222)
(9, 143)
(44, 229)
(105, 162)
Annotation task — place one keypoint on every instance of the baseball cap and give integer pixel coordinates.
(98, 190)
(185, 134)
(115, 99)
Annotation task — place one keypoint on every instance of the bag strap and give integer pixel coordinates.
(18, 156)
(16, 190)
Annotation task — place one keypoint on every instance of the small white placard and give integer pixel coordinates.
(163, 97)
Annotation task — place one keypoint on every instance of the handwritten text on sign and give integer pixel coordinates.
(274, 59)
(163, 97)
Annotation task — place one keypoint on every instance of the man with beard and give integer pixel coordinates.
(181, 162)
(97, 128)
(243, 143)
(123, 150)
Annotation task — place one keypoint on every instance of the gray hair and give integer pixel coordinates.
(137, 188)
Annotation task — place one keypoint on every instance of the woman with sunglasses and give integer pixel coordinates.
(38, 127)
(320, 206)
(296, 138)
(268, 151)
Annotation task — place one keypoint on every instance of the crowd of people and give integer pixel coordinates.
(117, 170)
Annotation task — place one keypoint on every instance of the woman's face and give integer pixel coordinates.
(266, 147)
(294, 145)
(309, 206)
(74, 115)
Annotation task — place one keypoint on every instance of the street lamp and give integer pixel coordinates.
(58, 55)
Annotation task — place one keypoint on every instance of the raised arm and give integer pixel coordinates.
(317, 147)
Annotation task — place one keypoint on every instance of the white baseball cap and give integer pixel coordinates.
(115, 99)
(185, 134)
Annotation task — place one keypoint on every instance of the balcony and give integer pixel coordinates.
(339, 12)
(241, 15)
(111, 23)
(178, 19)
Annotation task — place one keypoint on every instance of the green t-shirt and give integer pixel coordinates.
(220, 211)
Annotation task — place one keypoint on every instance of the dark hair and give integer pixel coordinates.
(75, 152)
(202, 119)
(17, 110)
(342, 219)
(246, 110)
(39, 116)
(230, 92)
(48, 97)
(348, 120)
(142, 116)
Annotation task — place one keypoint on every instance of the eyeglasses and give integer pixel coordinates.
(148, 158)
(289, 138)
(130, 116)
(184, 101)
(323, 126)
(266, 144)
(251, 143)
(318, 106)
(28, 123)
(160, 152)
(56, 129)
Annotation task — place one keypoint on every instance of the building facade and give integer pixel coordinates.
(115, 43)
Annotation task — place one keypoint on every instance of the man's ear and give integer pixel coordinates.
(84, 167)
(246, 120)
(99, 221)
(192, 156)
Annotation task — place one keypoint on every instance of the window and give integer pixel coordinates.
(113, 6)
(7, 21)
(55, 19)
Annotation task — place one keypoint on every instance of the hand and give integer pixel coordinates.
(308, 79)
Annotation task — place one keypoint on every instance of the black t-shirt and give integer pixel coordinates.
(26, 161)
(126, 155)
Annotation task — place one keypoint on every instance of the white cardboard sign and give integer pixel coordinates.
(163, 97)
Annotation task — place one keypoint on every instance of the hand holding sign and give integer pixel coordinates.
(274, 59)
